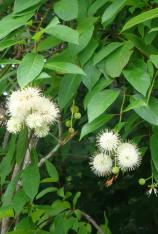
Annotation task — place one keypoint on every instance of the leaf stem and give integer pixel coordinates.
(151, 87)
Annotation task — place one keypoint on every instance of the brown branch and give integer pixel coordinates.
(92, 221)
(55, 149)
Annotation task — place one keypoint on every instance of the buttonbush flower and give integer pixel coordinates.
(28, 107)
(128, 156)
(101, 164)
(108, 141)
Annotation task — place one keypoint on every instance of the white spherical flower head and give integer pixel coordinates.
(48, 109)
(21, 102)
(101, 164)
(128, 156)
(42, 131)
(14, 125)
(34, 120)
(108, 141)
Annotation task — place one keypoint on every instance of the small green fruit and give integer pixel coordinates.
(71, 130)
(68, 123)
(74, 109)
(115, 170)
(77, 115)
(142, 181)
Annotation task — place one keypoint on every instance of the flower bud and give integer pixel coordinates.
(77, 115)
(68, 123)
(74, 109)
(71, 130)
(141, 181)
(115, 170)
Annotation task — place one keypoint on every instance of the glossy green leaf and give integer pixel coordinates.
(23, 5)
(93, 75)
(100, 102)
(154, 59)
(46, 191)
(6, 212)
(102, 83)
(87, 53)
(64, 33)
(112, 10)
(66, 10)
(105, 51)
(9, 42)
(96, 5)
(149, 112)
(30, 67)
(94, 125)
(68, 87)
(64, 67)
(9, 23)
(137, 75)
(52, 171)
(19, 201)
(148, 15)
(31, 181)
(117, 60)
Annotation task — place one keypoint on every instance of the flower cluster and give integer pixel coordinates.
(28, 107)
(114, 155)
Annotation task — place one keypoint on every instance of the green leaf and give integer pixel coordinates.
(21, 145)
(24, 231)
(93, 75)
(52, 171)
(64, 33)
(95, 6)
(46, 191)
(95, 124)
(59, 206)
(149, 112)
(103, 83)
(29, 69)
(9, 61)
(135, 103)
(8, 195)
(20, 199)
(64, 67)
(137, 75)
(9, 42)
(148, 15)
(9, 23)
(139, 43)
(154, 150)
(31, 181)
(112, 10)
(100, 102)
(154, 60)
(66, 10)
(105, 51)
(6, 163)
(75, 199)
(48, 43)
(6, 211)
(68, 87)
(117, 60)
(23, 5)
(87, 53)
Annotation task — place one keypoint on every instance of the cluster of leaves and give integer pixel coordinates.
(101, 55)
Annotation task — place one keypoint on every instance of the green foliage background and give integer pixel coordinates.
(101, 55)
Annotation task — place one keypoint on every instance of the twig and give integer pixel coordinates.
(92, 221)
(54, 150)
(123, 101)
(5, 141)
